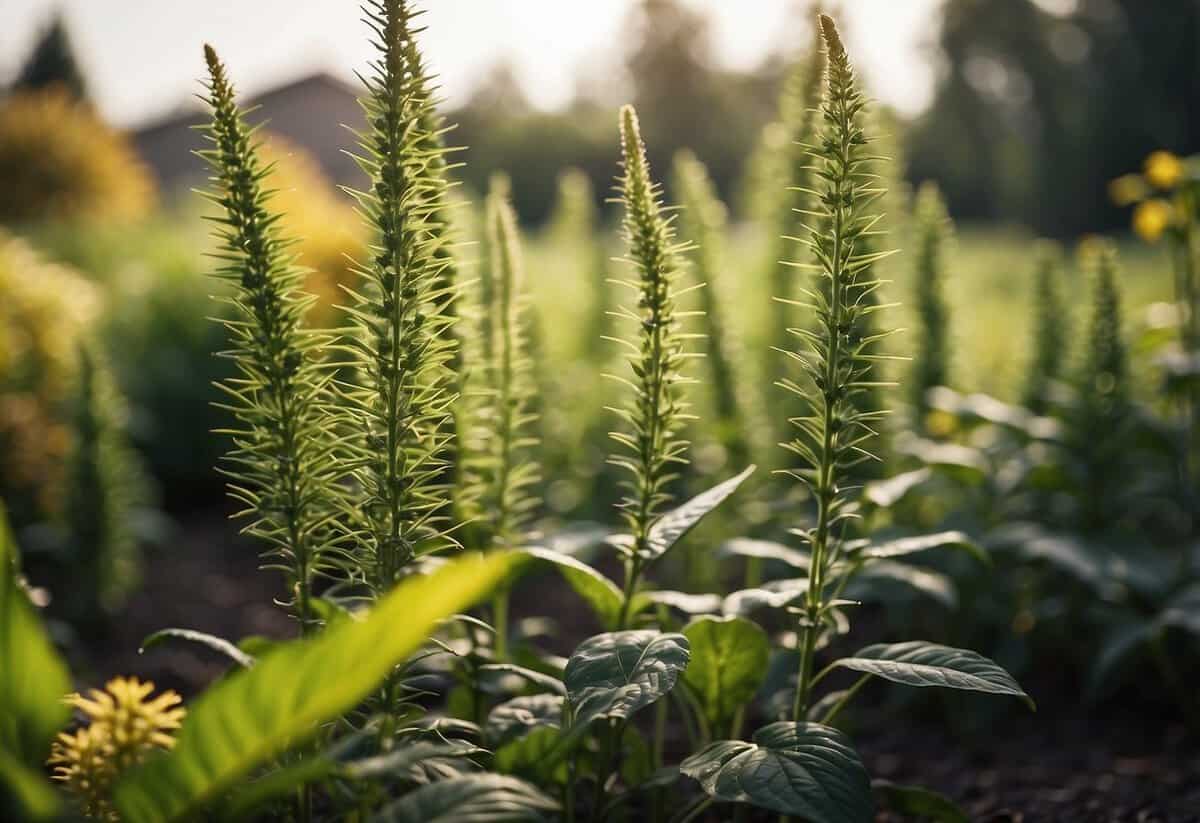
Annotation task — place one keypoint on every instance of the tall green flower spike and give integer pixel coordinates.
(402, 403)
(702, 223)
(1050, 329)
(799, 109)
(835, 361)
(508, 502)
(652, 445)
(931, 364)
(281, 464)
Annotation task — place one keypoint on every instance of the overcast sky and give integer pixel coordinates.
(142, 56)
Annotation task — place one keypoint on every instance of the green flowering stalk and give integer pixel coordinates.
(652, 444)
(104, 486)
(931, 364)
(1050, 330)
(835, 361)
(403, 402)
(281, 465)
(703, 224)
(1099, 426)
(508, 502)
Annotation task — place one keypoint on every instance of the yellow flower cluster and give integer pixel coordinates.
(124, 726)
(1152, 215)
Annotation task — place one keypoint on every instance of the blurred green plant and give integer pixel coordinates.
(931, 361)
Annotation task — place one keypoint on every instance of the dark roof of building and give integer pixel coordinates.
(312, 113)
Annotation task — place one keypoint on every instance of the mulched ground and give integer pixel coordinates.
(1117, 763)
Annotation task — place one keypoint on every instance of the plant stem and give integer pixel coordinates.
(500, 621)
(846, 698)
(690, 812)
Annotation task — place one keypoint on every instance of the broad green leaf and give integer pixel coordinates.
(601, 594)
(802, 769)
(890, 491)
(728, 664)
(537, 755)
(917, 663)
(764, 550)
(477, 798)
(218, 644)
(1068, 554)
(904, 546)
(672, 526)
(33, 681)
(1118, 644)
(961, 462)
(918, 802)
(616, 674)
(255, 714)
(517, 717)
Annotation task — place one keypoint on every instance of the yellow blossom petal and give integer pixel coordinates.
(1151, 218)
(1163, 169)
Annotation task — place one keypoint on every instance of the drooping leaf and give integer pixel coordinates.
(1117, 645)
(218, 644)
(254, 714)
(690, 604)
(904, 546)
(960, 462)
(1183, 610)
(729, 663)
(672, 526)
(802, 769)
(477, 798)
(601, 594)
(616, 674)
(918, 802)
(33, 681)
(774, 594)
(917, 663)
(764, 550)
(1066, 553)
(887, 493)
(517, 717)
(399, 761)
(538, 679)
(930, 583)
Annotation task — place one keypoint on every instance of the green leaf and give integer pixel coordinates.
(477, 798)
(764, 550)
(918, 802)
(728, 664)
(255, 714)
(614, 675)
(33, 681)
(774, 594)
(672, 526)
(890, 491)
(903, 546)
(917, 663)
(802, 769)
(1183, 610)
(537, 755)
(517, 717)
(689, 604)
(218, 644)
(399, 761)
(930, 583)
(247, 799)
(545, 682)
(601, 594)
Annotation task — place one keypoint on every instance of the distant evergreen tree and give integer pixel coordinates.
(52, 63)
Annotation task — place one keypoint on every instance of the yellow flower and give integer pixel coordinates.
(1151, 218)
(1127, 189)
(1163, 169)
(123, 728)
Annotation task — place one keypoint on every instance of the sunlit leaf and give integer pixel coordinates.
(614, 675)
(728, 664)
